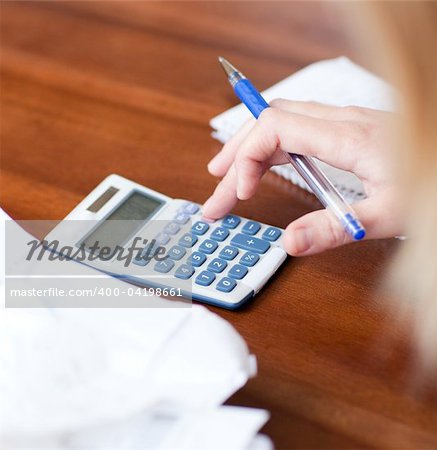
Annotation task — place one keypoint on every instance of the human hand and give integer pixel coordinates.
(350, 138)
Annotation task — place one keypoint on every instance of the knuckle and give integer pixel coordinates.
(354, 135)
(269, 117)
(335, 235)
(278, 102)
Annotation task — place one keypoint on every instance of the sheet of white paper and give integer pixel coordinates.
(225, 427)
(67, 370)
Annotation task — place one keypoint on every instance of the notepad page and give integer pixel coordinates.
(338, 82)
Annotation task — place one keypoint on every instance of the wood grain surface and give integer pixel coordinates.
(93, 88)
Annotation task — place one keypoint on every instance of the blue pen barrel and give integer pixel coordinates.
(250, 97)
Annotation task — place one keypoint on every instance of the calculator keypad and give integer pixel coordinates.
(208, 252)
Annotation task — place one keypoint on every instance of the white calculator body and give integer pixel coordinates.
(224, 263)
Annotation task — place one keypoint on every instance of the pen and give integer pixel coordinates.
(324, 190)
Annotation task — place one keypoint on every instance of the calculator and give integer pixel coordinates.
(224, 263)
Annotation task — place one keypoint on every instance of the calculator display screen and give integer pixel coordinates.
(124, 221)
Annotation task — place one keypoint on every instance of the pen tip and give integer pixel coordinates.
(227, 66)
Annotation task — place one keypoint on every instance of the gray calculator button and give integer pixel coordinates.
(162, 238)
(190, 208)
(181, 218)
(172, 228)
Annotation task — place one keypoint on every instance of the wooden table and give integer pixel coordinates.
(92, 88)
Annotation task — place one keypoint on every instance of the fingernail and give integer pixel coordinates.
(302, 240)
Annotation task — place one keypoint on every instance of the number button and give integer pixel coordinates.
(184, 272)
(250, 243)
(251, 227)
(208, 246)
(164, 266)
(188, 240)
(196, 259)
(249, 259)
(231, 221)
(205, 278)
(176, 252)
(181, 218)
(200, 228)
(226, 284)
(229, 253)
(271, 234)
(141, 259)
(217, 265)
(220, 234)
(162, 238)
(172, 228)
(190, 208)
(238, 272)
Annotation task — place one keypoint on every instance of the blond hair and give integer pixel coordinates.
(406, 47)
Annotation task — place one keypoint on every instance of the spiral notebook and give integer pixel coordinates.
(338, 82)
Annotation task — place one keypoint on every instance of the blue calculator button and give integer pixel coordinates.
(164, 266)
(190, 208)
(217, 265)
(162, 238)
(231, 221)
(205, 278)
(181, 218)
(208, 246)
(220, 234)
(251, 227)
(271, 234)
(196, 259)
(238, 272)
(140, 261)
(188, 240)
(250, 243)
(176, 252)
(249, 259)
(226, 284)
(229, 253)
(184, 272)
(200, 228)
(172, 228)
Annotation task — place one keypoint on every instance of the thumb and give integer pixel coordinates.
(321, 230)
